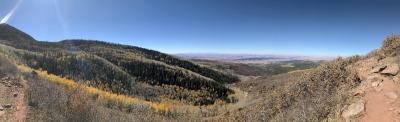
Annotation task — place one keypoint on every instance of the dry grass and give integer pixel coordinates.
(391, 45)
(50, 101)
(317, 95)
(105, 95)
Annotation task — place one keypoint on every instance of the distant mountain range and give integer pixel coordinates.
(251, 58)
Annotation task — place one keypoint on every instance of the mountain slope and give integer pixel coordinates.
(121, 69)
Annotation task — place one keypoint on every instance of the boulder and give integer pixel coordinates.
(392, 70)
(354, 110)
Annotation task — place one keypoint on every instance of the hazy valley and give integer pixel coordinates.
(252, 58)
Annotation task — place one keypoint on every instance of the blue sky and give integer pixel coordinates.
(306, 27)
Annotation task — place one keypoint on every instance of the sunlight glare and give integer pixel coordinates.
(11, 13)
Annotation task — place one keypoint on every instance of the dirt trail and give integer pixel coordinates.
(381, 103)
(380, 93)
(20, 102)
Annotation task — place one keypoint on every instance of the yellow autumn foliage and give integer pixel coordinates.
(124, 99)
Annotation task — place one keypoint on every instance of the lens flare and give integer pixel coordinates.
(60, 18)
(11, 13)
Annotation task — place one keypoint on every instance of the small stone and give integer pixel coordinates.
(354, 110)
(358, 93)
(396, 79)
(397, 111)
(375, 84)
(391, 95)
(1, 108)
(391, 109)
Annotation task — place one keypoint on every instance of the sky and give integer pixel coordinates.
(294, 27)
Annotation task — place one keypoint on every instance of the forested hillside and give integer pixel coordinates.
(118, 68)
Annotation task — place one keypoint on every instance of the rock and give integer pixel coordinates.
(358, 92)
(391, 109)
(1, 108)
(397, 111)
(392, 70)
(375, 84)
(378, 68)
(354, 110)
(374, 78)
(15, 94)
(397, 78)
(391, 95)
(34, 73)
(7, 106)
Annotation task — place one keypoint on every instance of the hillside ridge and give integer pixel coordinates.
(120, 68)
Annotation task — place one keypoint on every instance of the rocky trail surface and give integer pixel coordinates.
(13, 106)
(376, 99)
